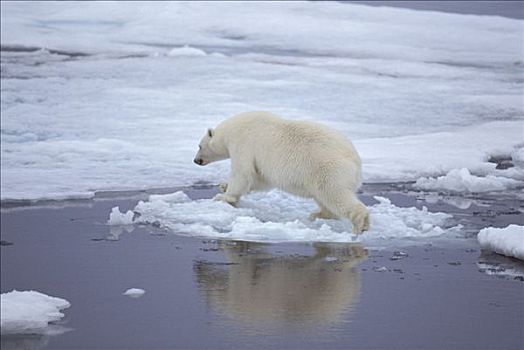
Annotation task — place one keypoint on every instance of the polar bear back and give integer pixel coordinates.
(292, 155)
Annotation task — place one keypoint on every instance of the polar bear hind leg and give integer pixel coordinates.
(345, 204)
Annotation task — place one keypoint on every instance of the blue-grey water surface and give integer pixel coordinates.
(206, 294)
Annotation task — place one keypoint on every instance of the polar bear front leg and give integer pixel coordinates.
(237, 186)
(239, 183)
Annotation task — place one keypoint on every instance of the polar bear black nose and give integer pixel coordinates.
(198, 161)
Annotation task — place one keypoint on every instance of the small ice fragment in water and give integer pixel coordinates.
(134, 292)
(397, 255)
(118, 218)
(380, 269)
(330, 259)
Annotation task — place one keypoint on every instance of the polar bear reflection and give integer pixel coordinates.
(257, 286)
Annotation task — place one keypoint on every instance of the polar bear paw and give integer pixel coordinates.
(360, 219)
(223, 187)
(226, 198)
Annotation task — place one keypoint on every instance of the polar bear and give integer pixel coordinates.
(303, 158)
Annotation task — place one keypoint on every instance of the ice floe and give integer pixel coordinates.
(461, 180)
(507, 241)
(276, 216)
(30, 312)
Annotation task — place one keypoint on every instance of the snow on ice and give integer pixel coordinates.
(30, 312)
(186, 51)
(507, 241)
(276, 216)
(518, 157)
(99, 96)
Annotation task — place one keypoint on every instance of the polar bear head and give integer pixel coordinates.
(211, 149)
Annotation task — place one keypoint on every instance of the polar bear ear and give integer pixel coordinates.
(210, 132)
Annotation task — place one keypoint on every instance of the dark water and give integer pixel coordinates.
(204, 294)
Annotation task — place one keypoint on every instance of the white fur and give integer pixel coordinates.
(303, 158)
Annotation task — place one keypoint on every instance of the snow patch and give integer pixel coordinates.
(276, 216)
(507, 241)
(518, 157)
(29, 312)
(186, 51)
(461, 180)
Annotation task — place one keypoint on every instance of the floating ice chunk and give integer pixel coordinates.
(118, 218)
(507, 241)
(134, 292)
(29, 312)
(177, 197)
(398, 255)
(459, 202)
(461, 180)
(390, 221)
(186, 51)
(330, 259)
(276, 216)
(380, 269)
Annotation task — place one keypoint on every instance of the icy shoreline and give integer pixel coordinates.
(385, 160)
